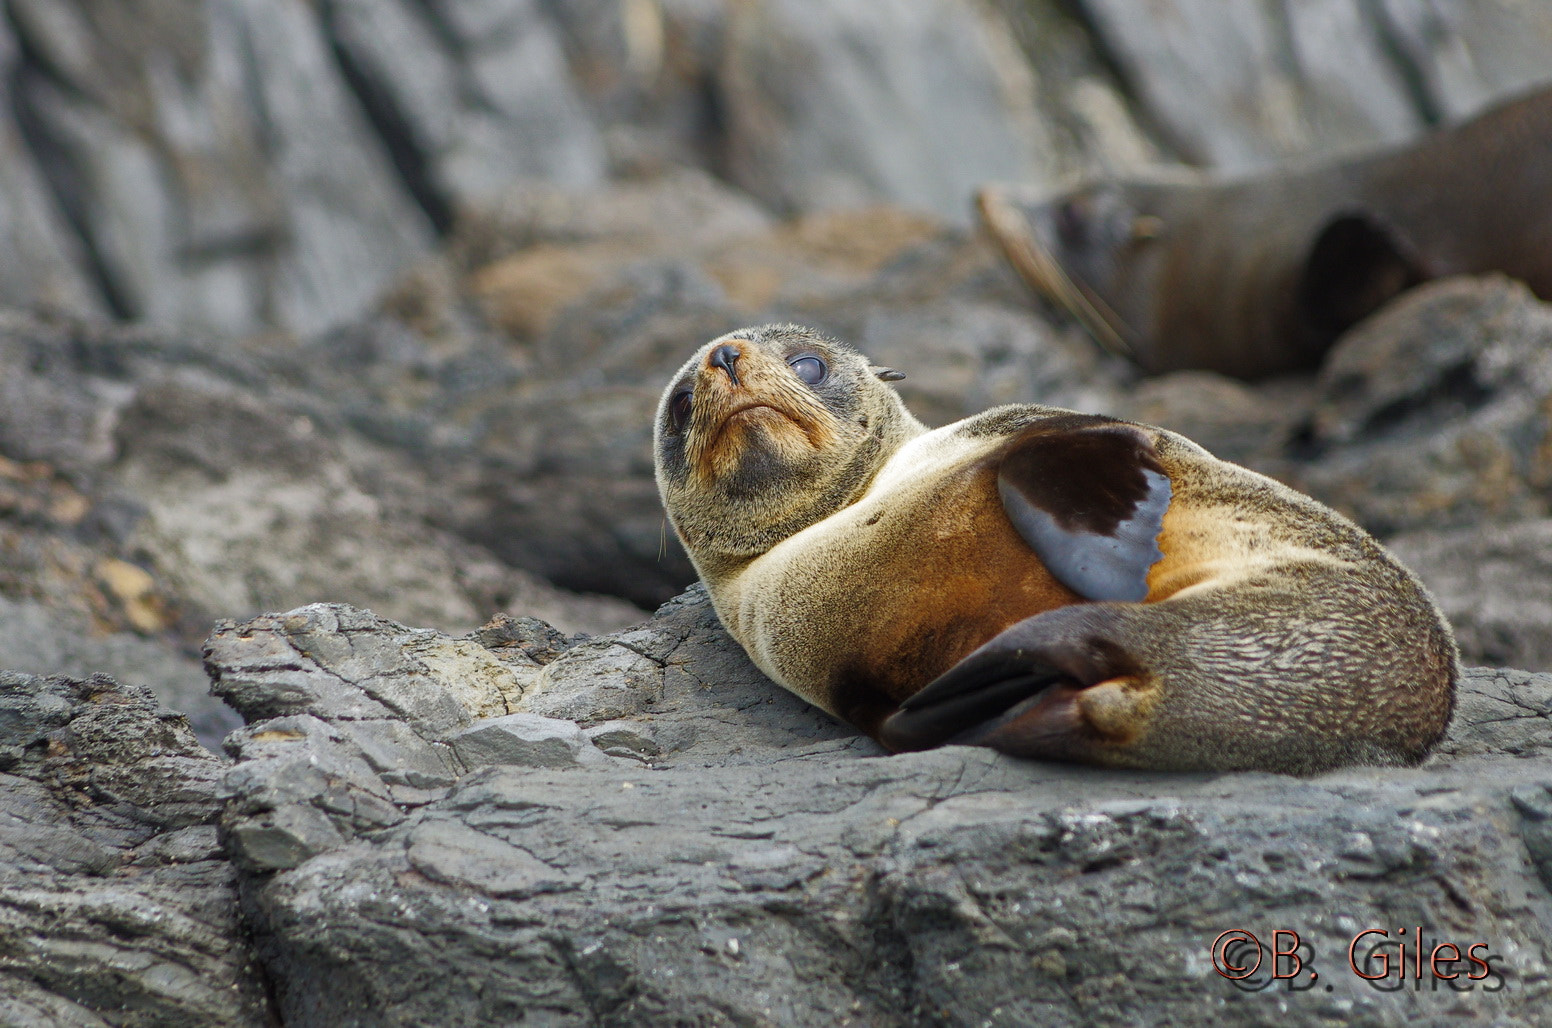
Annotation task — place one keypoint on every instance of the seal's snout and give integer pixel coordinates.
(726, 357)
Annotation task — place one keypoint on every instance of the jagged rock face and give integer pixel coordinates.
(149, 484)
(119, 906)
(237, 165)
(1241, 86)
(687, 843)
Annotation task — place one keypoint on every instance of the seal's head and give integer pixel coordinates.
(766, 431)
(1095, 251)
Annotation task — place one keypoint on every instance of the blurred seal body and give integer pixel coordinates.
(1258, 276)
(1047, 583)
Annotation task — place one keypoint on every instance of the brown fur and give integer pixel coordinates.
(1275, 633)
(1259, 275)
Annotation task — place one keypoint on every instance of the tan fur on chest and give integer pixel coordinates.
(881, 598)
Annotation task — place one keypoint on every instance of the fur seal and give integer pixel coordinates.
(1047, 583)
(1259, 276)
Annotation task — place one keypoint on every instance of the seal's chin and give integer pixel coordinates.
(756, 439)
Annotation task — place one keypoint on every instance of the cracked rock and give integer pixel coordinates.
(525, 740)
(118, 905)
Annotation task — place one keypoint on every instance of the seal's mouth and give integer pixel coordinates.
(714, 440)
(755, 429)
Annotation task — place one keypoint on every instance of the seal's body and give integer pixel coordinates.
(1259, 275)
(1047, 583)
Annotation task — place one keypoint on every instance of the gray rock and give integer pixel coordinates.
(962, 357)
(914, 102)
(1500, 710)
(1091, 125)
(1432, 412)
(1465, 53)
(683, 678)
(525, 740)
(635, 740)
(215, 162)
(943, 887)
(120, 906)
(1492, 582)
(476, 94)
(41, 263)
(355, 720)
(345, 664)
(1241, 86)
(766, 865)
(41, 640)
(154, 482)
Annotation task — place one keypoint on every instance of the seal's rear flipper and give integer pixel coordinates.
(1357, 263)
(1051, 687)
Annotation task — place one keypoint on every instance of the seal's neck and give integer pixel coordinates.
(778, 518)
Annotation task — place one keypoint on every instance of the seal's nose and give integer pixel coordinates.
(725, 357)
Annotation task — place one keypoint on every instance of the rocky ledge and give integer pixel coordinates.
(514, 826)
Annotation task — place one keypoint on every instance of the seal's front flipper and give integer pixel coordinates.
(1051, 686)
(1088, 495)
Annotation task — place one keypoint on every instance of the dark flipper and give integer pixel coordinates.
(1018, 692)
(1089, 497)
(1357, 263)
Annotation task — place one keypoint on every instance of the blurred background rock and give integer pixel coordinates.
(371, 300)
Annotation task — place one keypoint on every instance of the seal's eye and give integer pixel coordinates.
(809, 368)
(679, 408)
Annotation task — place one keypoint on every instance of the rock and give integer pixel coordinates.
(791, 871)
(913, 102)
(1491, 582)
(1091, 125)
(542, 250)
(525, 740)
(354, 719)
(215, 162)
(1499, 710)
(1246, 424)
(231, 166)
(790, 880)
(38, 639)
(626, 739)
(41, 263)
(341, 663)
(1445, 48)
(1242, 87)
(473, 95)
(1432, 412)
(149, 483)
(120, 905)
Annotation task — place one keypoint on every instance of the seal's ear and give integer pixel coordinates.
(886, 374)
(1356, 264)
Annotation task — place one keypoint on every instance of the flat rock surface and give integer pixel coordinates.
(752, 861)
